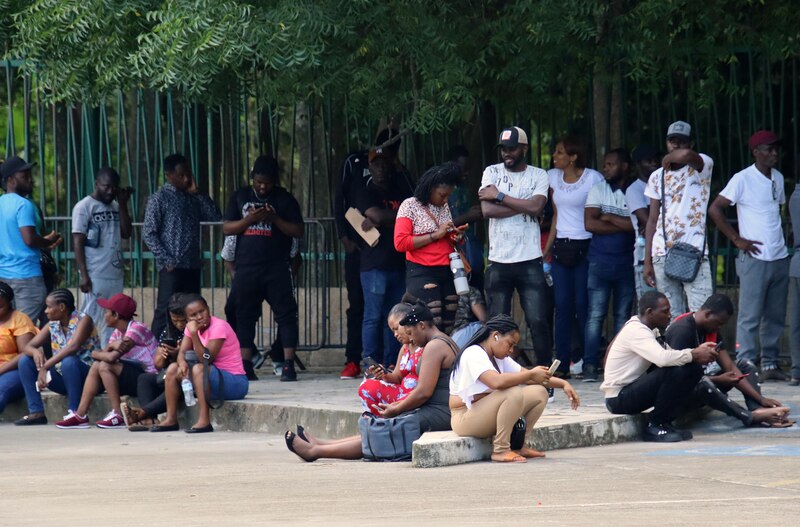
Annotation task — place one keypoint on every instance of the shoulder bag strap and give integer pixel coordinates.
(663, 209)
(207, 384)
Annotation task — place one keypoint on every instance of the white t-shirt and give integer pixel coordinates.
(100, 223)
(686, 202)
(758, 211)
(636, 200)
(518, 238)
(474, 361)
(570, 200)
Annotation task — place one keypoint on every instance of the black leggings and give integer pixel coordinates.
(433, 285)
(151, 395)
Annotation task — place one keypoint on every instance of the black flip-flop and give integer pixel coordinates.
(289, 438)
(301, 433)
(202, 430)
(165, 428)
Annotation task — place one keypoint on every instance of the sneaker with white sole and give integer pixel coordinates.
(111, 420)
(73, 420)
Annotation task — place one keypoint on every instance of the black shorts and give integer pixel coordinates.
(128, 378)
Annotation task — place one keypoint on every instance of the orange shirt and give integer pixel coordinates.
(19, 324)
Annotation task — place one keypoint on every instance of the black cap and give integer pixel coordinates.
(644, 151)
(266, 166)
(13, 165)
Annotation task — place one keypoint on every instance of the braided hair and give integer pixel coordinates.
(63, 296)
(6, 292)
(446, 174)
(503, 324)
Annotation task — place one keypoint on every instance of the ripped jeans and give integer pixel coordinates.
(433, 285)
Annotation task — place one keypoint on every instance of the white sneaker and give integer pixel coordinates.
(576, 368)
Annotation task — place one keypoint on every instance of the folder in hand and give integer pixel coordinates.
(355, 219)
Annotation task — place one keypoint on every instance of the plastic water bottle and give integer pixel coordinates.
(547, 276)
(459, 274)
(188, 392)
(640, 242)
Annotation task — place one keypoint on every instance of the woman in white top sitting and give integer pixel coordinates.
(490, 391)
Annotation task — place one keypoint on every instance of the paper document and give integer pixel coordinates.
(356, 219)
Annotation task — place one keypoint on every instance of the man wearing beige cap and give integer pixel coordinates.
(513, 195)
(763, 261)
(679, 193)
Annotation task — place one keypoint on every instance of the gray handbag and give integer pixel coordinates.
(683, 260)
(388, 439)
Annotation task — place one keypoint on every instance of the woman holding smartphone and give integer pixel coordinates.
(490, 391)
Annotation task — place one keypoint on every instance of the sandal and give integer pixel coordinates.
(301, 433)
(510, 457)
(289, 437)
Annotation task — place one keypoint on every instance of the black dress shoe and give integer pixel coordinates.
(27, 421)
(165, 428)
(201, 430)
(661, 434)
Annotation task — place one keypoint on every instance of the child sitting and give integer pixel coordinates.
(117, 368)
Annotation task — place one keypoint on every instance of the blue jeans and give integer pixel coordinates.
(461, 336)
(571, 299)
(382, 290)
(10, 388)
(69, 382)
(528, 279)
(603, 280)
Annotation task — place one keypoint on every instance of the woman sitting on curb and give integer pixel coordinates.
(72, 338)
(116, 368)
(389, 387)
(429, 398)
(16, 330)
(213, 337)
(150, 386)
(490, 391)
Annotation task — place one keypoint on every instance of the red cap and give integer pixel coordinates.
(121, 304)
(762, 137)
(375, 152)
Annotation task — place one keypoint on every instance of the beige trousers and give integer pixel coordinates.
(495, 414)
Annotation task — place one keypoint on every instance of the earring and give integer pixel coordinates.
(496, 337)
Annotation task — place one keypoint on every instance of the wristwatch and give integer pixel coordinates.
(500, 197)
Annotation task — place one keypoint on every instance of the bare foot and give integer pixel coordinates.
(770, 416)
(508, 457)
(529, 453)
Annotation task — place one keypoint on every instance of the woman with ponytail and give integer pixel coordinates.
(490, 391)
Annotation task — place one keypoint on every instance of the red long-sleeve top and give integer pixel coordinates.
(413, 221)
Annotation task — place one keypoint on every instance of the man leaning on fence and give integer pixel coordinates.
(266, 219)
(763, 261)
(172, 232)
(98, 224)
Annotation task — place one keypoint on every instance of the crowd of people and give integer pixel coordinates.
(571, 241)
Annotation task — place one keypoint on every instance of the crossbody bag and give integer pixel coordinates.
(682, 262)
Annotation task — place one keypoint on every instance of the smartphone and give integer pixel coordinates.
(554, 366)
(718, 346)
(369, 361)
(170, 342)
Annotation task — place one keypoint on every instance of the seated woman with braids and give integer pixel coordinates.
(388, 387)
(16, 330)
(429, 397)
(226, 380)
(73, 339)
(490, 391)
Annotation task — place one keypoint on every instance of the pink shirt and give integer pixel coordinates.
(144, 344)
(229, 358)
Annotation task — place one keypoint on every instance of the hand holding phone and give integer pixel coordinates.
(369, 362)
(554, 366)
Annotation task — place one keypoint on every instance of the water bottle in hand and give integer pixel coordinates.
(188, 392)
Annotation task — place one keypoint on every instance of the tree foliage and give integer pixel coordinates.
(429, 61)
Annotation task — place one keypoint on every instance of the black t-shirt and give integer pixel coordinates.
(683, 333)
(262, 243)
(383, 256)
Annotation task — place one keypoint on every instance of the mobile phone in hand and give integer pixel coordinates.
(554, 366)
(718, 346)
(369, 361)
